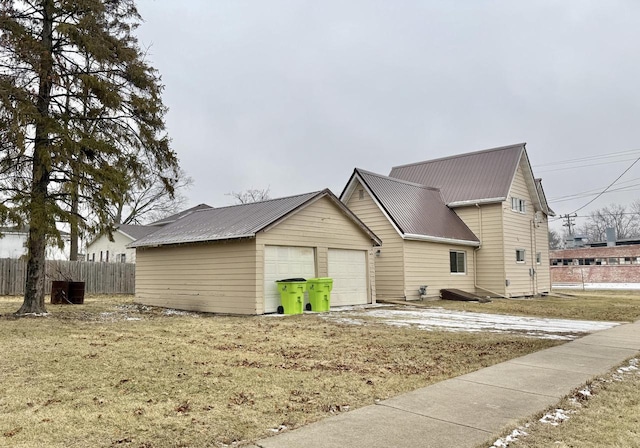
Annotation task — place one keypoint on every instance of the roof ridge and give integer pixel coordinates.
(400, 181)
(312, 193)
(457, 156)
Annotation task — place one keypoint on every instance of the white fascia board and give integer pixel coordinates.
(436, 239)
(476, 201)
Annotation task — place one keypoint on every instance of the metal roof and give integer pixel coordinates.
(416, 210)
(136, 232)
(477, 176)
(238, 221)
(176, 216)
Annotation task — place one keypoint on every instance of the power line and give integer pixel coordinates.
(609, 186)
(588, 158)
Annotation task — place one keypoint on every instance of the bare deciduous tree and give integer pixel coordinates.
(250, 195)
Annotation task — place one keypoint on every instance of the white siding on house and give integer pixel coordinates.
(427, 263)
(389, 265)
(13, 245)
(213, 277)
(116, 248)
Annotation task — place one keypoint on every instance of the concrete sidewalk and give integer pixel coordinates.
(467, 410)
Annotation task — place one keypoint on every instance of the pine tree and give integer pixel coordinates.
(81, 119)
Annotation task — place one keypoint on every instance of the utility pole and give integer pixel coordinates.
(570, 218)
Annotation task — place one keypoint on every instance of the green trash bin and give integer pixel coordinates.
(319, 293)
(291, 295)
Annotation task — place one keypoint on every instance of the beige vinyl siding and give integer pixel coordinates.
(212, 277)
(485, 222)
(389, 266)
(543, 270)
(321, 225)
(428, 264)
(519, 234)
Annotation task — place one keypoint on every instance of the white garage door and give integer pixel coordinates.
(348, 268)
(282, 262)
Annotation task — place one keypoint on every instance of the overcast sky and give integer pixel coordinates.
(293, 95)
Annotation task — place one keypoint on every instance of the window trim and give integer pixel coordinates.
(518, 205)
(524, 256)
(464, 258)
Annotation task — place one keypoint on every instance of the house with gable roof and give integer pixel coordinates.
(476, 222)
(115, 250)
(228, 259)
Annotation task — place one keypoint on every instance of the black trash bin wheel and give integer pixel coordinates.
(308, 307)
(280, 309)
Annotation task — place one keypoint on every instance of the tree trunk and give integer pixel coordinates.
(74, 234)
(38, 219)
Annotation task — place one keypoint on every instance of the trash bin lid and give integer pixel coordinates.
(292, 280)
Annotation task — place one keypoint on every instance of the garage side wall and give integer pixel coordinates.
(321, 225)
(213, 277)
(428, 264)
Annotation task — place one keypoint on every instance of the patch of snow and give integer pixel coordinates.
(515, 435)
(133, 318)
(449, 320)
(556, 417)
(173, 312)
(616, 286)
(279, 428)
(633, 366)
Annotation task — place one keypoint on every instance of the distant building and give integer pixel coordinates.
(13, 244)
(597, 266)
(102, 249)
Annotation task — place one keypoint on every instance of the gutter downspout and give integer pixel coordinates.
(534, 273)
(475, 259)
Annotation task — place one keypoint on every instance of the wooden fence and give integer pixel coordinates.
(99, 278)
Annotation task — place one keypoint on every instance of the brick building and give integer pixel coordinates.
(597, 266)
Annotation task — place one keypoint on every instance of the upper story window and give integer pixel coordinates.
(518, 205)
(458, 262)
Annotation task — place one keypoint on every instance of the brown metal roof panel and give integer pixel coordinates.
(214, 224)
(416, 209)
(481, 175)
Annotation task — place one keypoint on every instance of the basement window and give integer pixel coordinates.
(458, 262)
(518, 205)
(520, 254)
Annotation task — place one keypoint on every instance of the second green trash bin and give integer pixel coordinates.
(319, 293)
(291, 295)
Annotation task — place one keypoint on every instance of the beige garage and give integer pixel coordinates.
(226, 260)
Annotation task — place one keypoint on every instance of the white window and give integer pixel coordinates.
(518, 205)
(458, 262)
(123, 258)
(520, 255)
(538, 257)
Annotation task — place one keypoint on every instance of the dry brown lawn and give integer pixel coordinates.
(618, 306)
(605, 413)
(112, 373)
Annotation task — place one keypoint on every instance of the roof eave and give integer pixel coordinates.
(476, 201)
(438, 239)
(177, 243)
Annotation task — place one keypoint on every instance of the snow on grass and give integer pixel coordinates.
(450, 320)
(556, 417)
(515, 435)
